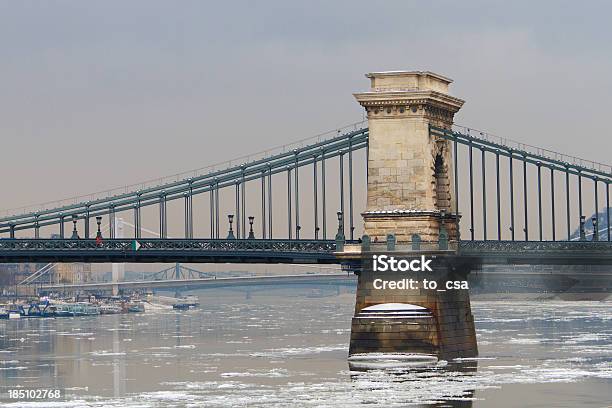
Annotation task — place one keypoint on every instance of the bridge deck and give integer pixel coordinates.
(260, 251)
(168, 250)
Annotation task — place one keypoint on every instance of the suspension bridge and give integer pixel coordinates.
(428, 187)
(242, 244)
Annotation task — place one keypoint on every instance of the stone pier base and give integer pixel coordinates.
(423, 321)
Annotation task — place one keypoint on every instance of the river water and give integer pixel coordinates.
(289, 348)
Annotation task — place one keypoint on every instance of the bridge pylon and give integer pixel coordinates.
(411, 213)
(410, 174)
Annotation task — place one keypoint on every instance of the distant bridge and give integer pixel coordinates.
(206, 283)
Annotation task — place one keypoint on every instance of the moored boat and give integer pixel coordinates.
(15, 311)
(76, 309)
(135, 307)
(110, 309)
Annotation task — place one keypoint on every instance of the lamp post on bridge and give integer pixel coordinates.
(340, 233)
(75, 234)
(251, 233)
(99, 232)
(340, 238)
(582, 230)
(230, 234)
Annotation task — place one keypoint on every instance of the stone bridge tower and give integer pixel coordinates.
(410, 188)
(410, 193)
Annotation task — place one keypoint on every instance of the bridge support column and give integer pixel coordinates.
(410, 199)
(410, 173)
(414, 321)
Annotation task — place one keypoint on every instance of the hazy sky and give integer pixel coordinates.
(95, 95)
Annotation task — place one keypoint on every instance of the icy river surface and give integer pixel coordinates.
(284, 348)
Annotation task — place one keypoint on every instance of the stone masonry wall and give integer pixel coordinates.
(449, 334)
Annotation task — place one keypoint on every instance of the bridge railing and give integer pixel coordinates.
(145, 245)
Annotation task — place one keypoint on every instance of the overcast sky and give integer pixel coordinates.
(95, 95)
